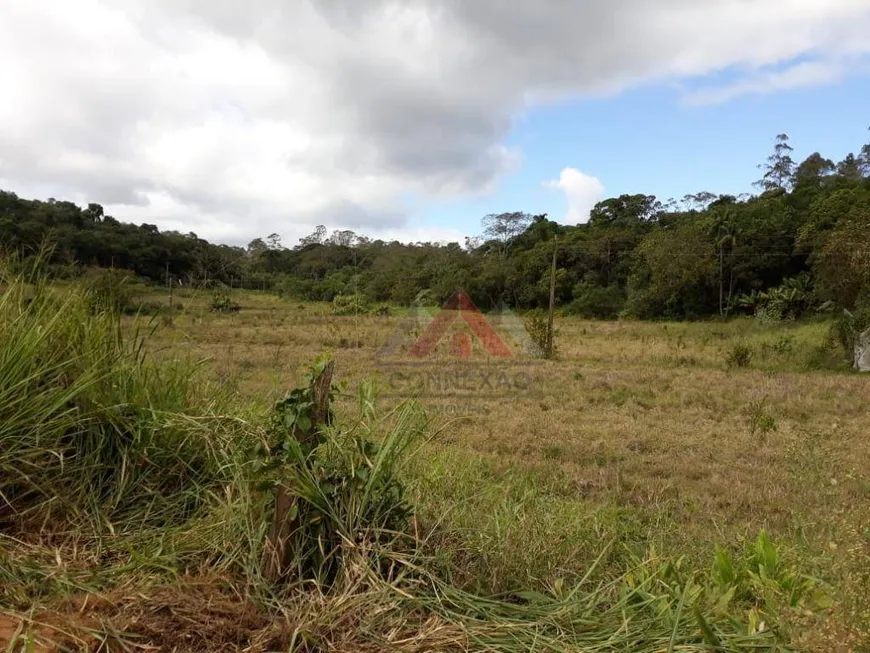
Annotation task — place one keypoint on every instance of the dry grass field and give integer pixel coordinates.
(639, 439)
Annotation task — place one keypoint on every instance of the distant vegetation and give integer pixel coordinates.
(799, 244)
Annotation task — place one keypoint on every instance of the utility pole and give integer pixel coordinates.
(169, 285)
(550, 344)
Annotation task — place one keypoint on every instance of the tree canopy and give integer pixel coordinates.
(707, 254)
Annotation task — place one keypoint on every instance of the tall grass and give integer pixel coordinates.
(89, 429)
(151, 480)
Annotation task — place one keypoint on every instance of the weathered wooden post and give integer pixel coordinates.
(278, 553)
(551, 346)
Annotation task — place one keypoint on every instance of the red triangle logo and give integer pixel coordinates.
(460, 305)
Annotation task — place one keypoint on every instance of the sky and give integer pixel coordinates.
(412, 120)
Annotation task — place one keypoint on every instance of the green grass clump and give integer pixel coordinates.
(90, 429)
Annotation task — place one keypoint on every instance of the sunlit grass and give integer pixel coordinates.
(546, 523)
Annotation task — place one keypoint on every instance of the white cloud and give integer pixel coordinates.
(582, 192)
(808, 73)
(235, 120)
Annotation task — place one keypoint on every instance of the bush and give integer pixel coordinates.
(760, 421)
(740, 355)
(597, 301)
(354, 304)
(222, 301)
(787, 301)
(110, 291)
(537, 327)
(847, 328)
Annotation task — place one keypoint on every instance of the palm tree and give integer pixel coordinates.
(725, 231)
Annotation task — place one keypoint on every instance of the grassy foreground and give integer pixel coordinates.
(660, 492)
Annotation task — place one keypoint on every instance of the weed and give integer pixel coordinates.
(348, 495)
(760, 421)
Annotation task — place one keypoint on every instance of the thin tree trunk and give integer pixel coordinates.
(278, 552)
(730, 290)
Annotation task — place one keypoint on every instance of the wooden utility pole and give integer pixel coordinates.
(170, 302)
(721, 280)
(278, 552)
(550, 344)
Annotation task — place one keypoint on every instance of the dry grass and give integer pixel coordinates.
(639, 440)
(639, 433)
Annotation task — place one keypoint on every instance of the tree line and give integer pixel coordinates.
(801, 242)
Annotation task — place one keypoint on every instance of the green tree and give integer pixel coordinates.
(503, 228)
(779, 167)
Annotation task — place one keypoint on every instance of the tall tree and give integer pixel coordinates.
(850, 167)
(504, 227)
(813, 169)
(315, 238)
(724, 231)
(864, 160)
(273, 242)
(342, 238)
(779, 167)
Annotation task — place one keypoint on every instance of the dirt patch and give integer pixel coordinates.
(198, 615)
(23, 634)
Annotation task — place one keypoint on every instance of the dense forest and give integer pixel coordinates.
(802, 242)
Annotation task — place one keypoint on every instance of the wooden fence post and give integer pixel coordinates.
(551, 346)
(278, 553)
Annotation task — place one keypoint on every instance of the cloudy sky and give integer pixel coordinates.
(413, 119)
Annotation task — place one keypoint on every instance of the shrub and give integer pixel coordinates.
(760, 421)
(109, 290)
(787, 301)
(537, 327)
(222, 301)
(348, 495)
(740, 355)
(355, 304)
(847, 328)
(597, 301)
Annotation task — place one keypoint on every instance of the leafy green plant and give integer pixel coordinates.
(763, 578)
(787, 301)
(349, 497)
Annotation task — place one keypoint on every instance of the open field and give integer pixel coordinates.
(644, 435)
(640, 440)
